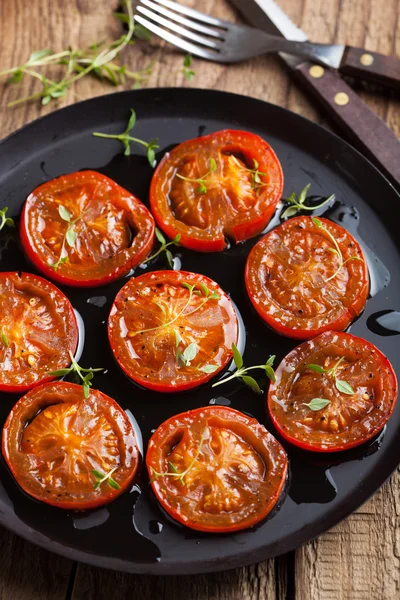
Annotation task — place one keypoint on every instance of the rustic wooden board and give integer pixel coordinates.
(360, 558)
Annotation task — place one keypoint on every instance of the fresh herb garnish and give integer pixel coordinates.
(186, 70)
(101, 477)
(69, 236)
(79, 372)
(126, 140)
(164, 248)
(296, 205)
(201, 181)
(4, 339)
(97, 60)
(188, 354)
(336, 250)
(343, 386)
(5, 220)
(317, 403)
(256, 174)
(241, 372)
(174, 471)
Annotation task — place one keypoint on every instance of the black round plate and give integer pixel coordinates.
(132, 534)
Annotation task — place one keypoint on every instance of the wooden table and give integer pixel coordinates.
(359, 559)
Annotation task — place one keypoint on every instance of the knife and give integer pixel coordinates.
(359, 125)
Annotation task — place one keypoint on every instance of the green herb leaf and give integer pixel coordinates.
(344, 387)
(177, 338)
(317, 403)
(38, 55)
(190, 353)
(71, 236)
(187, 61)
(188, 286)
(252, 383)
(170, 259)
(256, 164)
(237, 357)
(4, 339)
(303, 194)
(141, 33)
(205, 289)
(172, 467)
(270, 361)
(113, 484)
(161, 307)
(208, 368)
(160, 236)
(61, 372)
(317, 222)
(16, 77)
(213, 165)
(64, 213)
(316, 368)
(131, 122)
(201, 189)
(270, 373)
(289, 212)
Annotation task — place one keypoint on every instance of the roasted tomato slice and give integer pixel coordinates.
(172, 330)
(307, 276)
(59, 446)
(84, 230)
(215, 469)
(332, 393)
(226, 184)
(38, 330)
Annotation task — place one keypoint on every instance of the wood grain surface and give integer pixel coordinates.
(359, 559)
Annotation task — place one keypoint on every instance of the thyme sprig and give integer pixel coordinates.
(208, 295)
(98, 60)
(336, 249)
(5, 220)
(241, 372)
(256, 174)
(4, 339)
(341, 385)
(102, 477)
(317, 404)
(174, 471)
(201, 181)
(164, 248)
(298, 204)
(126, 139)
(69, 236)
(186, 69)
(79, 373)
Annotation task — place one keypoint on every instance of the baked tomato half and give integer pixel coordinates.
(332, 393)
(68, 451)
(307, 276)
(38, 331)
(172, 330)
(223, 185)
(85, 230)
(215, 469)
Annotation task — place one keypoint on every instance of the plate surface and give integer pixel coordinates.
(132, 534)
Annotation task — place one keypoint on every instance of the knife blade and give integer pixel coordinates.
(358, 124)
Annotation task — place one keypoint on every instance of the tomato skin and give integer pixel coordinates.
(261, 447)
(136, 216)
(375, 381)
(63, 312)
(262, 281)
(144, 371)
(23, 464)
(206, 239)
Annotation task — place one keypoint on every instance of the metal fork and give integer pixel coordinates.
(221, 41)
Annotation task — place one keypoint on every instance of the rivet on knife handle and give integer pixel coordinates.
(371, 66)
(362, 127)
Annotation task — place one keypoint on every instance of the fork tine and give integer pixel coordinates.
(177, 28)
(195, 14)
(182, 20)
(175, 40)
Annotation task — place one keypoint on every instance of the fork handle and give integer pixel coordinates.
(360, 125)
(371, 66)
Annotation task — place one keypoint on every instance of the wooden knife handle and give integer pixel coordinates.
(371, 66)
(360, 125)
